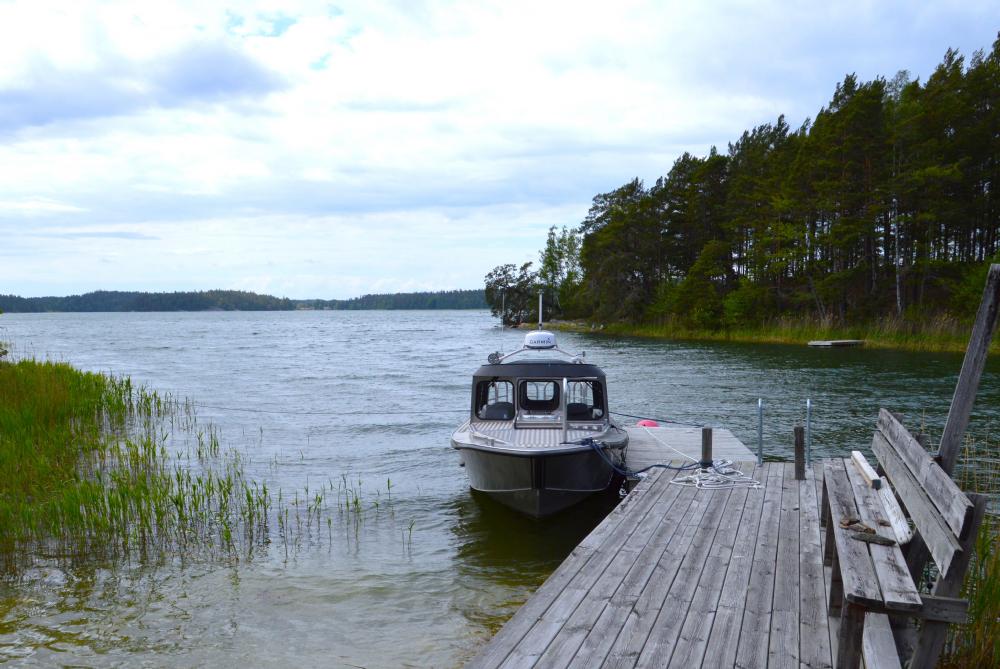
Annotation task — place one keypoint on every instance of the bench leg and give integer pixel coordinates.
(824, 507)
(852, 627)
(828, 545)
(836, 588)
(930, 643)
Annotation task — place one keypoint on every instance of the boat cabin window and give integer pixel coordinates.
(584, 400)
(539, 396)
(495, 400)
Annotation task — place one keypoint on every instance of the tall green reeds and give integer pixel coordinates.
(94, 467)
(977, 644)
(85, 471)
(939, 333)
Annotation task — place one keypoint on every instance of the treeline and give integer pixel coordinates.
(444, 299)
(884, 205)
(235, 300)
(112, 300)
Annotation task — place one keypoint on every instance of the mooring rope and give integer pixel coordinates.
(658, 420)
(632, 475)
(663, 443)
(720, 476)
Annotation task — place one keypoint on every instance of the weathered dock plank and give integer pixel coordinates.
(652, 445)
(685, 577)
(694, 634)
(674, 608)
(548, 625)
(755, 631)
(814, 631)
(725, 633)
(639, 622)
(515, 629)
(651, 535)
(783, 650)
(602, 634)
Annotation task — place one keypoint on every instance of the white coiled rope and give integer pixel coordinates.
(720, 476)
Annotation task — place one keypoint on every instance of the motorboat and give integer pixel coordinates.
(539, 437)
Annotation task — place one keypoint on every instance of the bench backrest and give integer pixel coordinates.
(941, 512)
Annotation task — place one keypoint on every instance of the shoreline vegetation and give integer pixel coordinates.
(977, 643)
(237, 300)
(876, 219)
(940, 335)
(96, 469)
(93, 467)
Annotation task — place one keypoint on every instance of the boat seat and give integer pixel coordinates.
(579, 411)
(498, 411)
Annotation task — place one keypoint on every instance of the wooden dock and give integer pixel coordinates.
(682, 576)
(677, 576)
(651, 445)
(827, 343)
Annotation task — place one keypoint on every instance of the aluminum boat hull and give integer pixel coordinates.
(540, 483)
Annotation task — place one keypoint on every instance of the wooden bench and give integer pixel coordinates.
(878, 560)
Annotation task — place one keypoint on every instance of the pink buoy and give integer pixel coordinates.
(647, 423)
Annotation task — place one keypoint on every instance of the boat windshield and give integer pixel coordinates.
(584, 400)
(539, 402)
(495, 400)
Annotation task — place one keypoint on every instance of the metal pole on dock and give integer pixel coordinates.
(809, 406)
(800, 455)
(760, 431)
(706, 447)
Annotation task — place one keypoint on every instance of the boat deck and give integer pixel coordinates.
(651, 445)
(678, 576)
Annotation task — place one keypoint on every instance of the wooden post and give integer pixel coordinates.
(852, 624)
(931, 640)
(972, 370)
(706, 447)
(835, 605)
(800, 453)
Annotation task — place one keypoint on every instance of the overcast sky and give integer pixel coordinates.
(328, 150)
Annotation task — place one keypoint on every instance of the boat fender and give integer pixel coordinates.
(646, 422)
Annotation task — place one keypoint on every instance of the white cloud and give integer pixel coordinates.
(200, 126)
(38, 206)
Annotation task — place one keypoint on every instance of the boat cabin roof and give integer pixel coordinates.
(555, 369)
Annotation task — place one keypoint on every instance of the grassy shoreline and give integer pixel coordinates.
(85, 471)
(936, 335)
(95, 468)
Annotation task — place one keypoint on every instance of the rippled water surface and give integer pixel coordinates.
(427, 576)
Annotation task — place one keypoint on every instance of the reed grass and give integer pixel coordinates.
(939, 333)
(978, 642)
(85, 471)
(93, 467)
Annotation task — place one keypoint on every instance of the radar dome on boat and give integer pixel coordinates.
(539, 339)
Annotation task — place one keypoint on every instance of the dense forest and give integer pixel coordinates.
(236, 300)
(880, 207)
(110, 300)
(445, 299)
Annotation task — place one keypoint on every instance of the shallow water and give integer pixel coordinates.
(424, 579)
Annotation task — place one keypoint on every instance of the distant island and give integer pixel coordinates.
(237, 300)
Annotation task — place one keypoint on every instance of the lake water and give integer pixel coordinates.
(428, 576)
